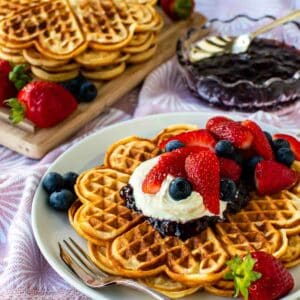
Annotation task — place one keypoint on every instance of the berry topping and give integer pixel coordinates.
(294, 143)
(272, 177)
(280, 143)
(180, 188)
(285, 156)
(44, 103)
(225, 129)
(178, 9)
(173, 145)
(229, 169)
(87, 92)
(203, 171)
(260, 142)
(52, 182)
(251, 164)
(61, 200)
(259, 276)
(201, 138)
(70, 180)
(269, 137)
(224, 148)
(227, 189)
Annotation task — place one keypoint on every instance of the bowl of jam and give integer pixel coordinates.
(266, 77)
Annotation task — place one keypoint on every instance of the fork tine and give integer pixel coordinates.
(83, 258)
(73, 265)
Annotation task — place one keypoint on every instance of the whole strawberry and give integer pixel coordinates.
(178, 9)
(259, 276)
(7, 88)
(42, 102)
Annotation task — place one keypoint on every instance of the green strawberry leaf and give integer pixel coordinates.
(17, 110)
(19, 76)
(241, 271)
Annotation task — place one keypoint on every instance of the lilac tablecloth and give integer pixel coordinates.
(24, 273)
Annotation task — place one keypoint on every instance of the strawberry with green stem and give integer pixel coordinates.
(178, 9)
(259, 276)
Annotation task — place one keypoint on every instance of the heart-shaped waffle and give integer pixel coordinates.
(135, 249)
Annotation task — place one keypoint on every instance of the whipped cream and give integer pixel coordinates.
(161, 205)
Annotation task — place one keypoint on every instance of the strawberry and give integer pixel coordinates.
(230, 169)
(7, 88)
(200, 137)
(272, 177)
(294, 143)
(178, 9)
(203, 171)
(260, 142)
(169, 163)
(259, 276)
(225, 129)
(44, 103)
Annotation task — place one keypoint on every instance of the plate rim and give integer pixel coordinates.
(47, 256)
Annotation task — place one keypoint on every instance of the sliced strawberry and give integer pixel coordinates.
(203, 171)
(201, 138)
(216, 121)
(229, 169)
(260, 142)
(225, 129)
(294, 143)
(272, 177)
(169, 163)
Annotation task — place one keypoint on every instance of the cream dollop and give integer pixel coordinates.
(161, 205)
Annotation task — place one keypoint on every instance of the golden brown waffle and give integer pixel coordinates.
(98, 35)
(137, 250)
(100, 183)
(126, 154)
(162, 283)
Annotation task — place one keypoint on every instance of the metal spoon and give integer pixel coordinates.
(217, 45)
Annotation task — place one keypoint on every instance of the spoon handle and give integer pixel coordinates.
(275, 23)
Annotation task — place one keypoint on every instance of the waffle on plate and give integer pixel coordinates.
(121, 241)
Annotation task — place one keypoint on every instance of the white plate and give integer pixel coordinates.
(50, 226)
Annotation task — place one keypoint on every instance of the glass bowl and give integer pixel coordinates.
(271, 94)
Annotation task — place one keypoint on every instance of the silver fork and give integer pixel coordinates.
(80, 263)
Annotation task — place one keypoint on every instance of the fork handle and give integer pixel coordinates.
(143, 288)
(275, 23)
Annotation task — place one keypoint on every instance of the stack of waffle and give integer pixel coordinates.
(121, 242)
(62, 38)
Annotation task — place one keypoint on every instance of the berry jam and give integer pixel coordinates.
(263, 60)
(263, 78)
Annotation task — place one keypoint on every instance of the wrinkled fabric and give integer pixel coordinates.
(24, 273)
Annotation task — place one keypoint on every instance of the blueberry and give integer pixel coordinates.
(70, 180)
(227, 189)
(251, 164)
(61, 200)
(280, 143)
(173, 145)
(52, 182)
(87, 92)
(285, 156)
(224, 148)
(180, 188)
(73, 85)
(269, 137)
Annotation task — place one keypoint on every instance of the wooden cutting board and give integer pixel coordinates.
(35, 144)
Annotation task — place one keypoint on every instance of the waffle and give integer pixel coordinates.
(131, 247)
(98, 35)
(162, 283)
